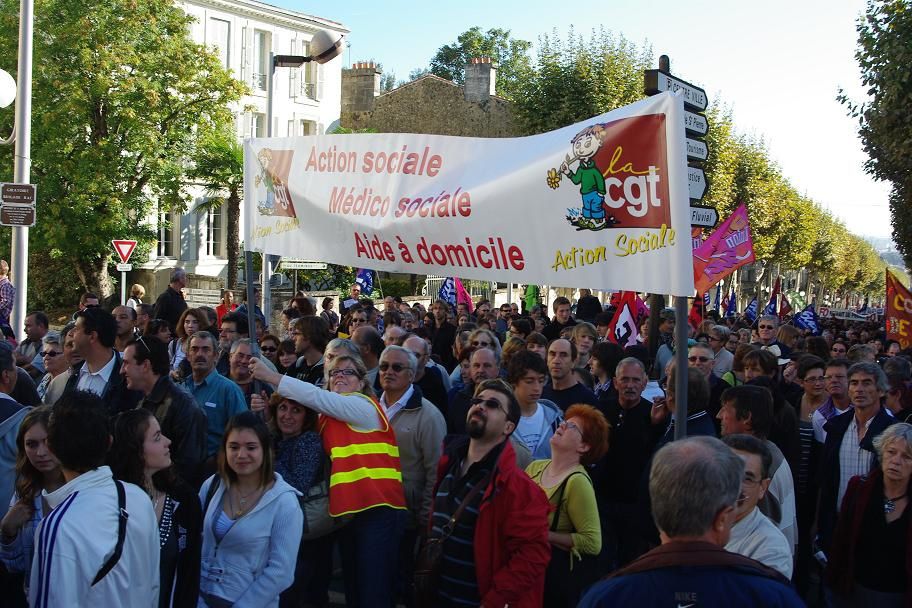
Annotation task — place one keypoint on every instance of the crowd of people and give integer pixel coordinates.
(468, 455)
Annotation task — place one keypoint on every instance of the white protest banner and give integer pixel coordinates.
(603, 203)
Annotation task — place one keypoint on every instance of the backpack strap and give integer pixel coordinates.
(122, 517)
(210, 493)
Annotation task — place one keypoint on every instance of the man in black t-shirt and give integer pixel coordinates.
(565, 390)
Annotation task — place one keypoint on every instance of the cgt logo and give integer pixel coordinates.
(620, 169)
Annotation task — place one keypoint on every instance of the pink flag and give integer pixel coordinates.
(727, 249)
(463, 297)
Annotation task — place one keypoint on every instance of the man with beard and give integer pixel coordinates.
(498, 552)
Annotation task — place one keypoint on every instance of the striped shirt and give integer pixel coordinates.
(458, 581)
(853, 459)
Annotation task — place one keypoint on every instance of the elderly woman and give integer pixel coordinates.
(54, 362)
(575, 533)
(871, 557)
(365, 473)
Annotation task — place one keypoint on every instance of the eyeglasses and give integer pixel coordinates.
(573, 425)
(700, 359)
(480, 344)
(358, 320)
(343, 372)
(750, 482)
(396, 367)
(268, 349)
(816, 379)
(491, 404)
(766, 326)
(51, 353)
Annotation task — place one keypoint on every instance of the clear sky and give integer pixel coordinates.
(778, 64)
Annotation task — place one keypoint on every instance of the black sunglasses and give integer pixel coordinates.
(268, 349)
(491, 404)
(396, 367)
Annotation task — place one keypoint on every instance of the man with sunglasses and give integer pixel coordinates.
(767, 328)
(497, 553)
(701, 356)
(419, 428)
(146, 369)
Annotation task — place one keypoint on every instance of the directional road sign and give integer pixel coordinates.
(124, 249)
(696, 183)
(704, 217)
(696, 149)
(658, 82)
(695, 125)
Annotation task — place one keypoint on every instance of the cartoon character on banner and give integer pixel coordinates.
(593, 214)
(274, 168)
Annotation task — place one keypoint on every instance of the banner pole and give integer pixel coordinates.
(680, 389)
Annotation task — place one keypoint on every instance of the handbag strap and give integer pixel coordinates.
(560, 498)
(478, 487)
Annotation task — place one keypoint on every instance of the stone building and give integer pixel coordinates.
(429, 104)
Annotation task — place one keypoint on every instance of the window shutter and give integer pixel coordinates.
(319, 78)
(245, 54)
(293, 76)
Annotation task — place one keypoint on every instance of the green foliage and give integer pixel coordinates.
(575, 79)
(884, 55)
(120, 92)
(510, 56)
(218, 166)
(397, 287)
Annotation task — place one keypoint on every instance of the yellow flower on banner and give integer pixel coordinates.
(553, 179)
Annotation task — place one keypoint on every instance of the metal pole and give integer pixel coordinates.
(23, 160)
(680, 389)
(251, 310)
(265, 293)
(123, 288)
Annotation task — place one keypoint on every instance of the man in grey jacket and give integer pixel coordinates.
(419, 427)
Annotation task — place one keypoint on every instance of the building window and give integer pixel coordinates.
(261, 48)
(291, 128)
(308, 127)
(309, 73)
(257, 125)
(166, 234)
(220, 40)
(214, 231)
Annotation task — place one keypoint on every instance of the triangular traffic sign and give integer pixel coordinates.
(124, 249)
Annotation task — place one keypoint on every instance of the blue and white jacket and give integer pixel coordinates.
(255, 560)
(77, 536)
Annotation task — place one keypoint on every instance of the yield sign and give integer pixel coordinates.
(124, 249)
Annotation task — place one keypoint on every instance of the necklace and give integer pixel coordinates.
(242, 502)
(890, 503)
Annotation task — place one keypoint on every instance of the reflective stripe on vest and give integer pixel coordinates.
(366, 471)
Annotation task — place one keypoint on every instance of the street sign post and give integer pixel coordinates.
(696, 150)
(696, 183)
(658, 81)
(124, 250)
(704, 217)
(17, 204)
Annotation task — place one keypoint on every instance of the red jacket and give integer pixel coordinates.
(511, 534)
(840, 572)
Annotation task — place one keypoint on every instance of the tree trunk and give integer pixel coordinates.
(233, 246)
(95, 278)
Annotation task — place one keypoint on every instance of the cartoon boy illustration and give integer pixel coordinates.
(264, 158)
(587, 176)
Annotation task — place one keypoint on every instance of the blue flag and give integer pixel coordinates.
(365, 280)
(705, 301)
(770, 308)
(447, 291)
(807, 319)
(751, 311)
(732, 309)
(718, 304)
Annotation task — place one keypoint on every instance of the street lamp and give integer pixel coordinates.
(324, 48)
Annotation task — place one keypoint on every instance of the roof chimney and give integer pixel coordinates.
(360, 87)
(480, 79)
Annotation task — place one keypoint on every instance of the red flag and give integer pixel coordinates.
(623, 329)
(696, 312)
(727, 249)
(898, 318)
(785, 307)
(463, 297)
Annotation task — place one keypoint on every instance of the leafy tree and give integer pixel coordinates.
(884, 54)
(121, 93)
(218, 166)
(510, 55)
(576, 79)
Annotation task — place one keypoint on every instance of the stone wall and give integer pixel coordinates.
(433, 105)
